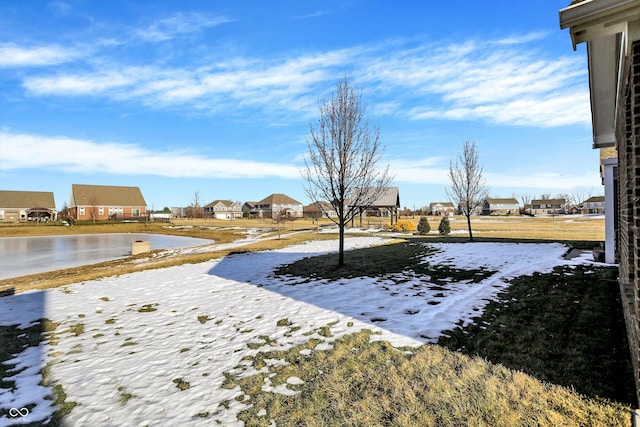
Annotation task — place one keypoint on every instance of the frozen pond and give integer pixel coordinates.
(20, 256)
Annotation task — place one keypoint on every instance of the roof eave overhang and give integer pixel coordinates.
(603, 26)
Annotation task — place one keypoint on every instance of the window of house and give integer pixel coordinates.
(135, 212)
(100, 211)
(81, 209)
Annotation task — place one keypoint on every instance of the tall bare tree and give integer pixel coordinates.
(468, 186)
(342, 164)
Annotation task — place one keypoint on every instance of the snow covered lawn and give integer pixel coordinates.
(152, 347)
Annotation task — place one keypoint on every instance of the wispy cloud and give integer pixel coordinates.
(178, 25)
(494, 81)
(435, 171)
(12, 55)
(22, 151)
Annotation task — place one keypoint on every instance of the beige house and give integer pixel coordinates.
(611, 31)
(27, 206)
(223, 209)
(548, 207)
(500, 207)
(441, 208)
(593, 205)
(102, 202)
(274, 205)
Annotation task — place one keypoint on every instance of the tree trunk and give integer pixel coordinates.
(341, 246)
(469, 224)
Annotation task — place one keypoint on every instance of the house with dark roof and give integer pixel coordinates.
(102, 202)
(223, 209)
(321, 209)
(493, 206)
(276, 204)
(442, 208)
(27, 206)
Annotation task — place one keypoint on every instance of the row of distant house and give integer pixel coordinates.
(103, 202)
(510, 206)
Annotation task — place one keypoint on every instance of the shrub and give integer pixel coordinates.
(423, 226)
(403, 226)
(444, 228)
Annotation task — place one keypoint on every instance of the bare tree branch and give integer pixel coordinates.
(468, 187)
(344, 151)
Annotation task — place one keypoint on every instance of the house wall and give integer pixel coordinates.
(102, 213)
(628, 242)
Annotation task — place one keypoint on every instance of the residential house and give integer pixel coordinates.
(277, 204)
(500, 207)
(593, 205)
(26, 206)
(384, 205)
(442, 208)
(548, 207)
(611, 31)
(223, 209)
(320, 209)
(249, 209)
(102, 202)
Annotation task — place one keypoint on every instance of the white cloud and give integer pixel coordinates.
(13, 56)
(22, 151)
(435, 171)
(484, 80)
(179, 24)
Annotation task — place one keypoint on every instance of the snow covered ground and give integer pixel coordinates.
(145, 333)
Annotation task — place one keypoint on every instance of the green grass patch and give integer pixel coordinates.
(283, 322)
(566, 327)
(77, 329)
(124, 396)
(181, 384)
(148, 308)
(400, 257)
(203, 318)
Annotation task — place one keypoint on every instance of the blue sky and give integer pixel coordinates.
(216, 97)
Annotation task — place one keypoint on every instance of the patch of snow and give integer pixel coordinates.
(144, 330)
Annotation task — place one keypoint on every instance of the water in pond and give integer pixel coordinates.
(20, 256)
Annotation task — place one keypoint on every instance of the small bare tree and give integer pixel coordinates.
(526, 200)
(468, 187)
(194, 210)
(342, 165)
(93, 208)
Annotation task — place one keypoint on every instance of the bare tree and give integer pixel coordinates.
(342, 165)
(526, 200)
(468, 187)
(93, 208)
(194, 210)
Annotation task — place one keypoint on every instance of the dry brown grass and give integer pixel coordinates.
(562, 228)
(365, 383)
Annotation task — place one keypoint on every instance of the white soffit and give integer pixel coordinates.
(603, 54)
(592, 19)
